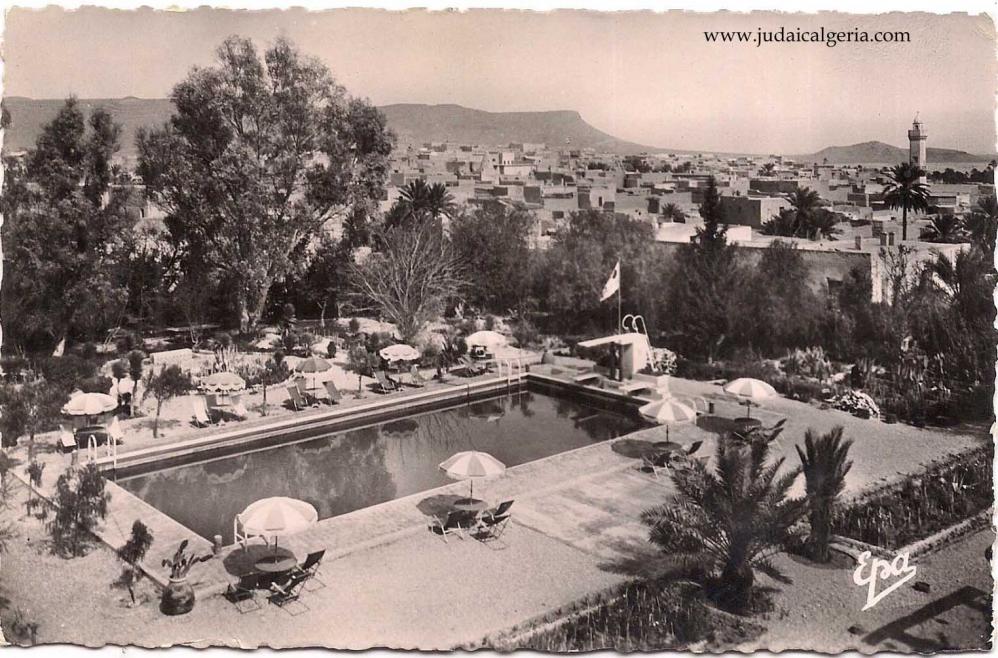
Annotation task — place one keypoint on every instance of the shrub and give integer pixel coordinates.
(825, 463)
(97, 384)
(131, 554)
(698, 527)
(810, 362)
(923, 503)
(639, 616)
(169, 383)
(80, 501)
(526, 333)
(331, 349)
(354, 326)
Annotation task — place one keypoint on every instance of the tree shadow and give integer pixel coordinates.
(438, 505)
(634, 448)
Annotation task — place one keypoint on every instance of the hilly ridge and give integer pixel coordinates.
(413, 123)
(879, 152)
(418, 123)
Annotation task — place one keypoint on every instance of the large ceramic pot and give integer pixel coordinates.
(178, 597)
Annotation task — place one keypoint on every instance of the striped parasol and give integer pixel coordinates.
(274, 517)
(471, 465)
(749, 389)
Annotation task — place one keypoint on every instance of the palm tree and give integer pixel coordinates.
(906, 191)
(825, 466)
(943, 228)
(982, 223)
(673, 213)
(420, 200)
(730, 521)
(805, 202)
(783, 224)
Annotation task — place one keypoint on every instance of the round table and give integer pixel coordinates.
(746, 423)
(276, 564)
(470, 505)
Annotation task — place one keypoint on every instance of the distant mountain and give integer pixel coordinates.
(29, 115)
(412, 122)
(454, 123)
(878, 152)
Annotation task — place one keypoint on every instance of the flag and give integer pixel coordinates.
(612, 284)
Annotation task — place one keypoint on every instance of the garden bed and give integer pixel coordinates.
(636, 616)
(922, 504)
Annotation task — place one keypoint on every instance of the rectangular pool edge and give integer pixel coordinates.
(287, 430)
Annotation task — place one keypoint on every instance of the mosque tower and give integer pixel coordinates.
(916, 146)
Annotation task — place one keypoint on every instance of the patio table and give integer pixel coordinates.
(470, 505)
(276, 563)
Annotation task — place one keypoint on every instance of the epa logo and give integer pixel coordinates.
(871, 569)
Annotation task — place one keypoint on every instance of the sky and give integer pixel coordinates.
(646, 77)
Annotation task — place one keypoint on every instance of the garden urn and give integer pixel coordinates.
(178, 597)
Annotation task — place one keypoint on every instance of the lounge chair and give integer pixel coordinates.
(416, 379)
(296, 399)
(304, 392)
(289, 591)
(201, 417)
(591, 376)
(634, 387)
(114, 431)
(456, 523)
(471, 368)
(239, 411)
(385, 385)
(67, 440)
(244, 592)
(332, 392)
(310, 566)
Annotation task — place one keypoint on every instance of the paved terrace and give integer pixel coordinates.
(576, 530)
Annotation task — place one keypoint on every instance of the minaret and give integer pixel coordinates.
(916, 145)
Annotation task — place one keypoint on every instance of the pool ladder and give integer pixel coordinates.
(509, 364)
(110, 450)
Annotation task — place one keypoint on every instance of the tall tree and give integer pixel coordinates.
(409, 280)
(982, 223)
(705, 294)
(572, 273)
(906, 191)
(64, 234)
(261, 153)
(493, 241)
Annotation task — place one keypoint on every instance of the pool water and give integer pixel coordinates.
(349, 470)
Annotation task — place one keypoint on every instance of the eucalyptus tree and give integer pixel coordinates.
(263, 152)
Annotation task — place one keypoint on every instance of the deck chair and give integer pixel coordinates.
(311, 565)
(67, 440)
(385, 385)
(491, 527)
(243, 594)
(456, 523)
(296, 400)
(303, 391)
(332, 392)
(201, 417)
(416, 379)
(289, 591)
(239, 411)
(501, 509)
(654, 464)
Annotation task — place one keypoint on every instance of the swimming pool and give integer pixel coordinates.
(348, 470)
